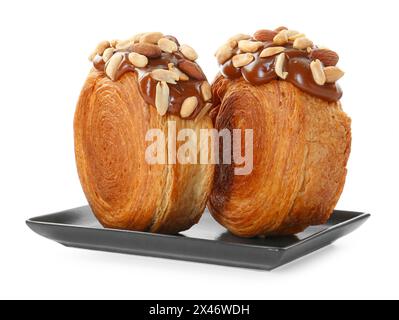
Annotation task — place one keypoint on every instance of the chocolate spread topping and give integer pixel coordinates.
(177, 92)
(262, 70)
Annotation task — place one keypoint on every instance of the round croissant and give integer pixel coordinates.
(124, 190)
(301, 148)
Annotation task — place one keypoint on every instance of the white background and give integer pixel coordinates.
(43, 63)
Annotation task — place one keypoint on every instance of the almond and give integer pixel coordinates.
(113, 65)
(280, 29)
(225, 52)
(108, 53)
(265, 35)
(136, 37)
(281, 38)
(162, 98)
(249, 46)
(271, 51)
(191, 69)
(328, 57)
(188, 52)
(101, 47)
(232, 44)
(241, 60)
(167, 45)
(151, 37)
(182, 76)
(92, 56)
(293, 37)
(318, 73)
(333, 74)
(206, 91)
(172, 38)
(113, 43)
(239, 37)
(302, 43)
(147, 49)
(279, 67)
(125, 45)
(188, 107)
(292, 33)
(164, 75)
(138, 60)
(204, 111)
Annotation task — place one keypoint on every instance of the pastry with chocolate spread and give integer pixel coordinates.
(284, 87)
(137, 85)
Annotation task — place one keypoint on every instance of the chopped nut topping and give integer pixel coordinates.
(191, 69)
(328, 57)
(239, 37)
(289, 53)
(249, 46)
(125, 45)
(138, 60)
(162, 98)
(151, 37)
(188, 107)
(296, 36)
(147, 49)
(166, 62)
(279, 68)
(280, 29)
(333, 74)
(271, 51)
(318, 72)
(136, 37)
(182, 76)
(101, 47)
(264, 35)
(188, 52)
(206, 91)
(113, 43)
(302, 43)
(281, 38)
(225, 52)
(113, 64)
(164, 75)
(292, 33)
(167, 45)
(241, 60)
(108, 53)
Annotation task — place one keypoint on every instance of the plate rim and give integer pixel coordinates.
(360, 216)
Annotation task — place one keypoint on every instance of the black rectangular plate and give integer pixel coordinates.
(206, 242)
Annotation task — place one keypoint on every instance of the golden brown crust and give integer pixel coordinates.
(124, 191)
(301, 148)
